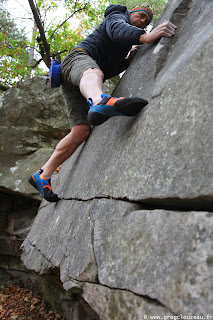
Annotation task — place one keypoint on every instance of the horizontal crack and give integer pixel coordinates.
(201, 203)
(145, 297)
(81, 282)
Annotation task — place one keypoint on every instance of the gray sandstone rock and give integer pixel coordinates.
(162, 157)
(66, 243)
(165, 255)
(123, 304)
(163, 153)
(33, 120)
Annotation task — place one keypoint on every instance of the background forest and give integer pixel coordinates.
(47, 30)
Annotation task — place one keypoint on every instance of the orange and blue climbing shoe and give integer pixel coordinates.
(43, 186)
(111, 106)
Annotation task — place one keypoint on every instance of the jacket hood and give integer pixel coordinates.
(115, 7)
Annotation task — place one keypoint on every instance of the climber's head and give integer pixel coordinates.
(141, 15)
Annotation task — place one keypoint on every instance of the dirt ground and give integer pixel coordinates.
(23, 304)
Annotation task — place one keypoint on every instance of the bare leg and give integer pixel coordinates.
(91, 84)
(65, 148)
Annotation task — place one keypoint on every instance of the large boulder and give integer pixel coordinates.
(161, 254)
(132, 235)
(33, 119)
(164, 155)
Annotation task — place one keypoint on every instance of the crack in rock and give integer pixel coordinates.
(201, 203)
(76, 286)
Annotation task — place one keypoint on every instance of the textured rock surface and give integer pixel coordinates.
(157, 155)
(123, 304)
(133, 233)
(33, 119)
(164, 255)
(68, 243)
(70, 247)
(156, 251)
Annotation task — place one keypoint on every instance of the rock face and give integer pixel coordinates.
(132, 236)
(33, 119)
(172, 135)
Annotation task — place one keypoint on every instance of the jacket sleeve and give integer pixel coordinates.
(112, 69)
(121, 31)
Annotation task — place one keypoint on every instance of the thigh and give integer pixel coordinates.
(74, 65)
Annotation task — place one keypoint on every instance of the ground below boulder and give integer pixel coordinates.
(23, 304)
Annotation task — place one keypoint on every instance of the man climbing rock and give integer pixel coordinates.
(102, 55)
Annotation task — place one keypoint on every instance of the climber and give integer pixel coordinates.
(102, 55)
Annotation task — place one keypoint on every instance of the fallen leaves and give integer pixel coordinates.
(23, 304)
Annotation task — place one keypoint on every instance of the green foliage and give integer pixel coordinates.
(13, 48)
(75, 20)
(8, 26)
(79, 19)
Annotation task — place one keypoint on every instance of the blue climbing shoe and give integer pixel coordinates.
(43, 186)
(111, 106)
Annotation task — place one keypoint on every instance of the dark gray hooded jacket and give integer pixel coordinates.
(110, 43)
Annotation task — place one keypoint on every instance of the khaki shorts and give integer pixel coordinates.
(72, 68)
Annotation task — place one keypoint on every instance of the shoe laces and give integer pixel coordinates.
(103, 96)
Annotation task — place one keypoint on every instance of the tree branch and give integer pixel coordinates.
(46, 46)
(37, 63)
(22, 6)
(68, 19)
(58, 54)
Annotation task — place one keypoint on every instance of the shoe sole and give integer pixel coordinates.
(34, 184)
(96, 118)
(131, 107)
(100, 113)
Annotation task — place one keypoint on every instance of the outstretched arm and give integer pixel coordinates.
(132, 53)
(165, 29)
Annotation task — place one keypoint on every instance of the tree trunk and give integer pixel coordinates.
(45, 45)
(32, 47)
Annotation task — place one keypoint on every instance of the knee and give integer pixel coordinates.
(85, 133)
(94, 71)
(81, 132)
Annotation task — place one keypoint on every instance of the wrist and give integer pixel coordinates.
(143, 38)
